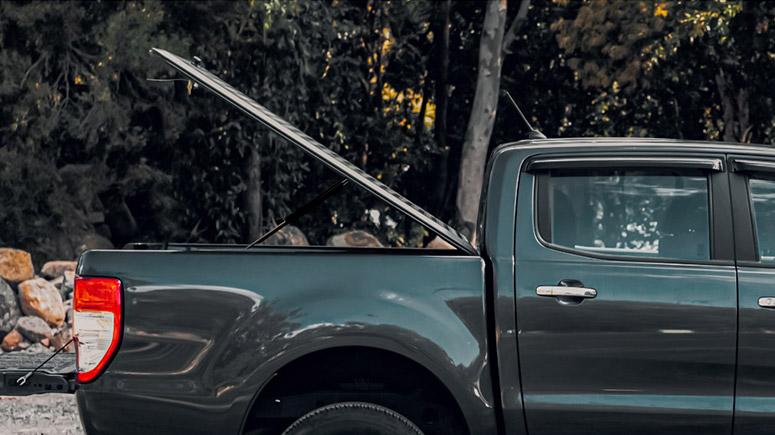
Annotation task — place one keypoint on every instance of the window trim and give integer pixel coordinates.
(746, 239)
(752, 166)
(719, 222)
(630, 162)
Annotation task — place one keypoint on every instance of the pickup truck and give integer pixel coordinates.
(617, 286)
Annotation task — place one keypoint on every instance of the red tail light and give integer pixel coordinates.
(97, 324)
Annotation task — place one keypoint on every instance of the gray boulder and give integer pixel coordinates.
(9, 308)
(34, 329)
(288, 236)
(93, 241)
(54, 269)
(36, 348)
(355, 238)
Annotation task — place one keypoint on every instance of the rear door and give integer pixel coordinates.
(753, 192)
(626, 295)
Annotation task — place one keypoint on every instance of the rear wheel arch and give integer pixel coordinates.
(355, 373)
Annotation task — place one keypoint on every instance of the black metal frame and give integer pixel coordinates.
(742, 169)
(39, 383)
(172, 248)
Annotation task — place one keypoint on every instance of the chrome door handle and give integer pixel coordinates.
(575, 292)
(767, 302)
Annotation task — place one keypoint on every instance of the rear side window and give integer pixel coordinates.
(631, 213)
(763, 204)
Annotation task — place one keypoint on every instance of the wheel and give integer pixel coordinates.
(352, 418)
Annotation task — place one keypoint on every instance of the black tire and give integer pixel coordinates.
(353, 418)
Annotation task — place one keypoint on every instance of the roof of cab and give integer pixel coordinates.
(638, 143)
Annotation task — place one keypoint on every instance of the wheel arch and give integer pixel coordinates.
(356, 356)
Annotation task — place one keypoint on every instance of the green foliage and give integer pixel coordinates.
(88, 145)
(72, 89)
(685, 69)
(75, 94)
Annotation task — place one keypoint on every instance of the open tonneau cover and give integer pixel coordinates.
(281, 127)
(55, 376)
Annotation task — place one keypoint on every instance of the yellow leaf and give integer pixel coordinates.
(660, 10)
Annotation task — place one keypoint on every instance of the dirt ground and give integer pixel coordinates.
(42, 414)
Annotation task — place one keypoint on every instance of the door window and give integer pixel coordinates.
(633, 213)
(763, 205)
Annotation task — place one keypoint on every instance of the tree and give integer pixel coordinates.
(85, 135)
(485, 107)
(492, 48)
(684, 69)
(89, 146)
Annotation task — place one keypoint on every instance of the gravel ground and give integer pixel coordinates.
(39, 414)
(49, 414)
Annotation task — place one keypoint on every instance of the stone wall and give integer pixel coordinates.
(35, 306)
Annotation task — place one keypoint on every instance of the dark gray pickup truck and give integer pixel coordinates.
(619, 286)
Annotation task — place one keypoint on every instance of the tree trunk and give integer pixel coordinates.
(736, 116)
(480, 124)
(254, 199)
(439, 67)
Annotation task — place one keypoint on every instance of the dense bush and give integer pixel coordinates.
(89, 146)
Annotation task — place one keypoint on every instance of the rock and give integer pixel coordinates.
(93, 241)
(55, 269)
(64, 284)
(62, 337)
(69, 312)
(14, 341)
(15, 265)
(34, 329)
(57, 282)
(288, 236)
(9, 309)
(36, 348)
(438, 243)
(40, 298)
(356, 238)
(67, 283)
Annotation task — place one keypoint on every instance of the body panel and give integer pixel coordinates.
(671, 327)
(754, 232)
(755, 402)
(496, 233)
(204, 330)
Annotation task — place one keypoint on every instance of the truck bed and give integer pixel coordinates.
(205, 328)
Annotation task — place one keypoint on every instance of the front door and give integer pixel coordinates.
(753, 189)
(626, 295)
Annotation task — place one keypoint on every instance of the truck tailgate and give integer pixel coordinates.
(56, 376)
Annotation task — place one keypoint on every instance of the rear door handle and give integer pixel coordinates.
(767, 302)
(575, 292)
